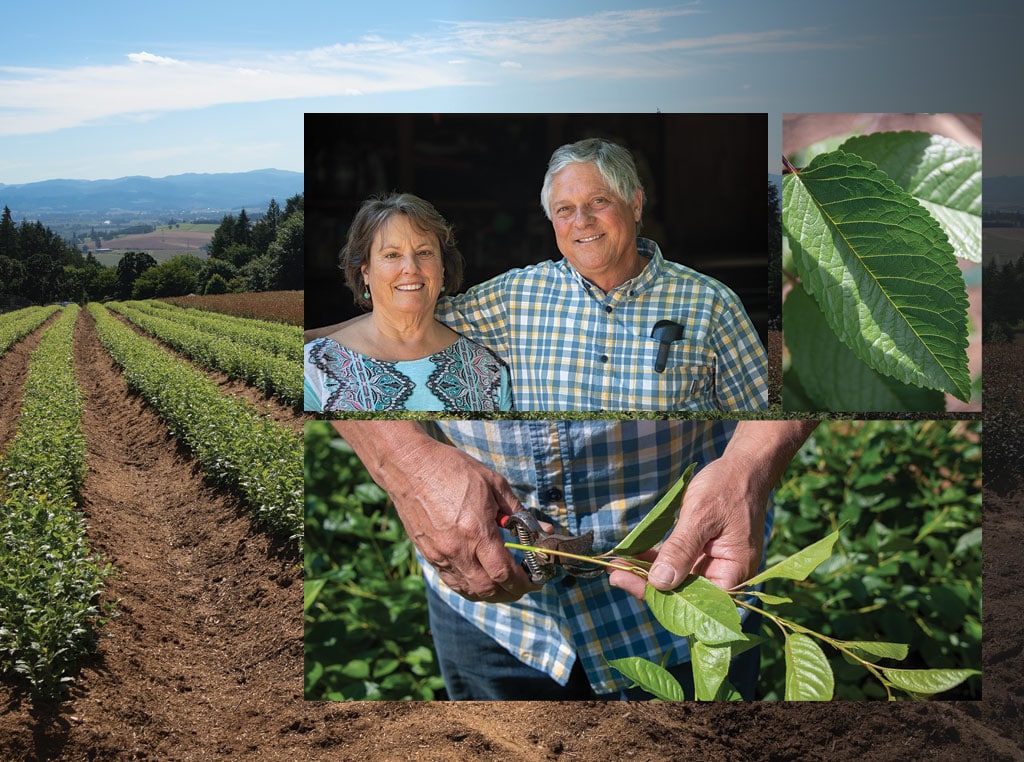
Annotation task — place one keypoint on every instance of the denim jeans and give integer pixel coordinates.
(477, 668)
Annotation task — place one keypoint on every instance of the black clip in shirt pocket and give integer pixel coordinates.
(689, 376)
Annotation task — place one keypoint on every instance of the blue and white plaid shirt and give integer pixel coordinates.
(570, 346)
(582, 475)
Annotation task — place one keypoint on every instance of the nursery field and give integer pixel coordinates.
(202, 654)
(277, 306)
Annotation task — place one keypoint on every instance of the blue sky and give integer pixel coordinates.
(107, 89)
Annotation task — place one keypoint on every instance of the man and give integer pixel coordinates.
(497, 635)
(577, 333)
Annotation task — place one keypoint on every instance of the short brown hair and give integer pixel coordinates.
(372, 215)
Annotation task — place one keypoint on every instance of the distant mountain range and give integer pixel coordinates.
(177, 194)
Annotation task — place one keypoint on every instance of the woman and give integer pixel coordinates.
(399, 258)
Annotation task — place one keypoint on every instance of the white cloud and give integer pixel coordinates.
(644, 43)
(149, 58)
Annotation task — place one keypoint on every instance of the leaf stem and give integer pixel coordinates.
(622, 565)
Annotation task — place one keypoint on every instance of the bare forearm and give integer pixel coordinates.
(382, 446)
(763, 449)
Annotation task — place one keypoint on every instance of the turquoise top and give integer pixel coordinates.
(463, 376)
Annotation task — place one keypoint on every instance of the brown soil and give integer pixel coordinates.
(205, 659)
(162, 240)
(774, 367)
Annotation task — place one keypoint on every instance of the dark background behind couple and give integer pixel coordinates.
(704, 176)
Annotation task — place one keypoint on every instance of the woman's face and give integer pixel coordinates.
(405, 270)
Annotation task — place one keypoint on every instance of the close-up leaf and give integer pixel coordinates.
(657, 523)
(881, 269)
(710, 668)
(653, 678)
(808, 673)
(697, 607)
(942, 174)
(871, 650)
(928, 681)
(832, 376)
(800, 564)
(311, 590)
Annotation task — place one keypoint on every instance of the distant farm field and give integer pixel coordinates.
(161, 244)
(278, 306)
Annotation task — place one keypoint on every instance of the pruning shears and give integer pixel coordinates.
(541, 566)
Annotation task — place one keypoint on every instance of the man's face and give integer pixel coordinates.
(594, 228)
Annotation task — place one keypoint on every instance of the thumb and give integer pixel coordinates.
(675, 559)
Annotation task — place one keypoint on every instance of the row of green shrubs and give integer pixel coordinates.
(50, 581)
(20, 323)
(237, 446)
(277, 338)
(276, 376)
(907, 567)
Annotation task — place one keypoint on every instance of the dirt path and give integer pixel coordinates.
(205, 659)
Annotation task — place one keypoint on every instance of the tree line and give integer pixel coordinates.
(39, 267)
(1004, 309)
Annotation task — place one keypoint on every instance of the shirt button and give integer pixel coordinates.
(608, 308)
(604, 358)
(553, 495)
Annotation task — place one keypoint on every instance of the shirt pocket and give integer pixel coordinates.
(688, 381)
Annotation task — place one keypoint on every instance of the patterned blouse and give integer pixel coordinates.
(464, 376)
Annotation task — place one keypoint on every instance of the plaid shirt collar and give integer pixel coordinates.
(633, 287)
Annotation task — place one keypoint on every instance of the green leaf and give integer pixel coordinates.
(872, 650)
(881, 269)
(311, 590)
(939, 172)
(968, 540)
(832, 376)
(774, 600)
(927, 681)
(710, 668)
(697, 607)
(800, 564)
(808, 674)
(653, 678)
(657, 523)
(357, 669)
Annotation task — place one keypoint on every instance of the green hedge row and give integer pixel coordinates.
(274, 375)
(15, 325)
(276, 338)
(236, 446)
(908, 565)
(50, 581)
(366, 633)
